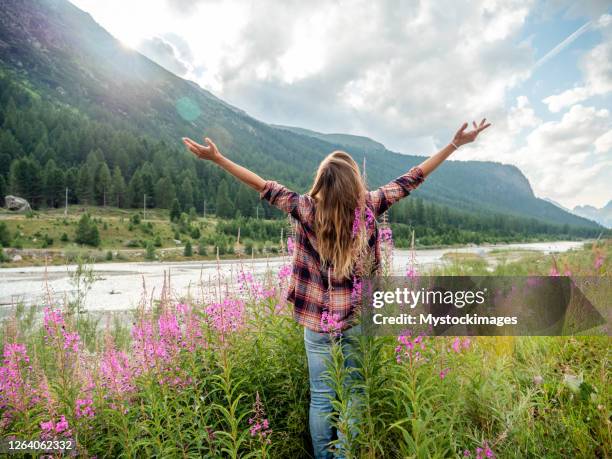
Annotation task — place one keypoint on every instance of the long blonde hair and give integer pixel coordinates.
(338, 191)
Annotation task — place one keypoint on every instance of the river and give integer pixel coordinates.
(119, 286)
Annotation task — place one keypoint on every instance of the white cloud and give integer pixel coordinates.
(564, 158)
(596, 66)
(603, 144)
(569, 159)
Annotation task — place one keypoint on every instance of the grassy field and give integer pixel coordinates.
(228, 378)
(49, 237)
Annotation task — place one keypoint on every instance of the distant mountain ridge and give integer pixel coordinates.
(346, 140)
(602, 216)
(58, 52)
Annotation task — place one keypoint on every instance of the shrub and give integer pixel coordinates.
(157, 242)
(136, 218)
(150, 251)
(188, 252)
(109, 255)
(175, 211)
(87, 232)
(64, 237)
(202, 248)
(5, 235)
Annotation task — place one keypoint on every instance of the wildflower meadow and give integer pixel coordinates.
(223, 373)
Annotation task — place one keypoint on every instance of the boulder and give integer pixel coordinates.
(17, 204)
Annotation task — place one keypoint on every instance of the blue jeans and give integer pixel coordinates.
(318, 351)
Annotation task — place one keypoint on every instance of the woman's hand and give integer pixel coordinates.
(462, 137)
(209, 152)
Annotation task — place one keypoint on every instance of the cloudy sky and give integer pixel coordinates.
(406, 73)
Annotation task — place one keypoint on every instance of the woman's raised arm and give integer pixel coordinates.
(461, 138)
(212, 153)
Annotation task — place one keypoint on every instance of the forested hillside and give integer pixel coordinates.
(80, 111)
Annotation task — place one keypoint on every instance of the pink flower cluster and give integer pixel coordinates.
(52, 429)
(409, 349)
(116, 371)
(253, 288)
(411, 273)
(55, 326)
(284, 272)
(156, 346)
(260, 426)
(226, 316)
(331, 323)
(460, 344)
(358, 223)
(290, 245)
(599, 261)
(385, 235)
(14, 377)
(356, 292)
(481, 452)
(84, 408)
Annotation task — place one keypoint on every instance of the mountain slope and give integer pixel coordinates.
(59, 53)
(602, 216)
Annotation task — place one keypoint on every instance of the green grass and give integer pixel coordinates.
(47, 237)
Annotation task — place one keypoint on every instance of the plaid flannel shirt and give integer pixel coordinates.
(309, 289)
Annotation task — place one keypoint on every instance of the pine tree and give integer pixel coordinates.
(136, 190)
(84, 188)
(188, 252)
(25, 180)
(175, 211)
(117, 189)
(164, 193)
(225, 208)
(53, 180)
(244, 201)
(102, 185)
(185, 194)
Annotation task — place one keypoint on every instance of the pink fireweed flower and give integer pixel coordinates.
(459, 344)
(356, 222)
(481, 452)
(284, 272)
(386, 235)
(331, 323)
(71, 341)
(554, 272)
(84, 408)
(253, 288)
(599, 261)
(15, 388)
(444, 372)
(290, 245)
(52, 319)
(116, 371)
(369, 217)
(52, 429)
(359, 224)
(260, 426)
(169, 328)
(411, 273)
(226, 316)
(357, 290)
(409, 348)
